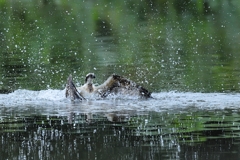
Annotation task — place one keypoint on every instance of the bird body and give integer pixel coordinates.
(115, 84)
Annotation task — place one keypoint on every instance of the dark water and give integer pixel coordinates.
(174, 125)
(191, 133)
(185, 52)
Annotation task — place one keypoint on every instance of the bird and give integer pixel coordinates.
(115, 84)
(71, 90)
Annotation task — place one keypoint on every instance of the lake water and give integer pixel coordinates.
(173, 125)
(187, 57)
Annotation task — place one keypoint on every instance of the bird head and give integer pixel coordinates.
(89, 78)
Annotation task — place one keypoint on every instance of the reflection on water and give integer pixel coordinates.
(45, 125)
(157, 45)
(181, 134)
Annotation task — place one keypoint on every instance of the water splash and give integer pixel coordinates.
(55, 99)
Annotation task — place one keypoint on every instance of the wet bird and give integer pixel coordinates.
(115, 84)
(72, 91)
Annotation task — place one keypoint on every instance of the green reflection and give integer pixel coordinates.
(148, 134)
(163, 45)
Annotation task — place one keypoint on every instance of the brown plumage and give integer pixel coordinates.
(114, 84)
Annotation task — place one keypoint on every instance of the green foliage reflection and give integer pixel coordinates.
(166, 45)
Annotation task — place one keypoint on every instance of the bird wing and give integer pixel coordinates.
(72, 91)
(116, 84)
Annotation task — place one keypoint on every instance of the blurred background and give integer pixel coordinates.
(164, 45)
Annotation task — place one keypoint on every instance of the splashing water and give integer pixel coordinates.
(55, 99)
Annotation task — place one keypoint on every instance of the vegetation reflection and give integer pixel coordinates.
(165, 133)
(165, 45)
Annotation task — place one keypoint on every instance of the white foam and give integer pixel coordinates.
(26, 97)
(160, 101)
(200, 100)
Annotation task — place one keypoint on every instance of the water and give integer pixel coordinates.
(187, 54)
(173, 125)
(159, 102)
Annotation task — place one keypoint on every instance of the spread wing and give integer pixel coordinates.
(119, 84)
(72, 91)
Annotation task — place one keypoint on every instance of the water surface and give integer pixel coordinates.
(173, 125)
